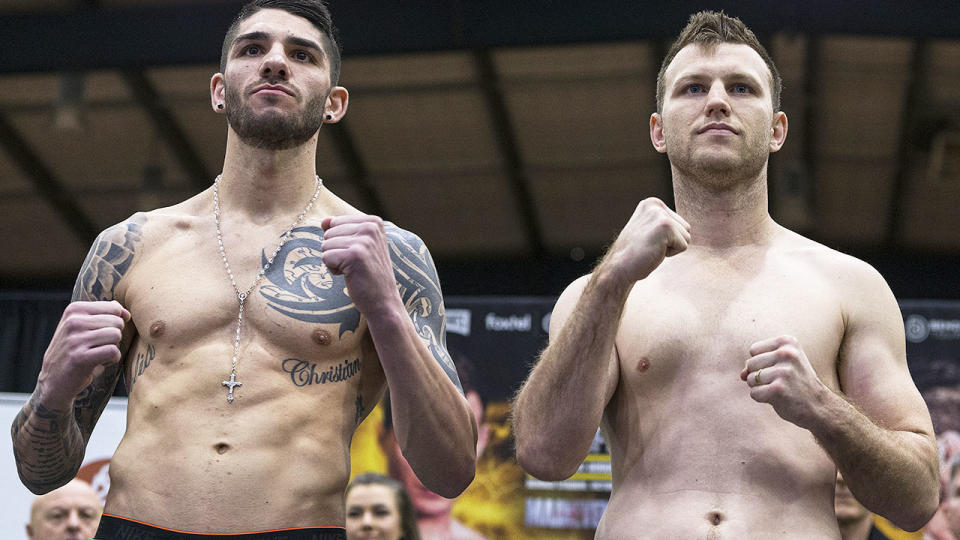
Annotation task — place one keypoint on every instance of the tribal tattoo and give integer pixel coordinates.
(301, 287)
(419, 288)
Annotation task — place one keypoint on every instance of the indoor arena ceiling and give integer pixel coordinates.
(508, 128)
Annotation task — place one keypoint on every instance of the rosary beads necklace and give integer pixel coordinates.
(242, 296)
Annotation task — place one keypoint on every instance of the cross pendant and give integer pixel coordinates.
(231, 384)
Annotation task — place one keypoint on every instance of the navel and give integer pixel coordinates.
(321, 337)
(643, 364)
(222, 448)
(157, 328)
(715, 517)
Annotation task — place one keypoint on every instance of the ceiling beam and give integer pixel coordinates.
(811, 122)
(152, 35)
(356, 168)
(911, 105)
(50, 187)
(167, 127)
(506, 137)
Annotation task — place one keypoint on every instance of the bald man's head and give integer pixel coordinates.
(71, 512)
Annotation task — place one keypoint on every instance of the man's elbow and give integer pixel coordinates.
(542, 465)
(454, 480)
(915, 516)
(40, 488)
(916, 520)
(914, 513)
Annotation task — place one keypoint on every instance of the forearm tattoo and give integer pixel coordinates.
(44, 444)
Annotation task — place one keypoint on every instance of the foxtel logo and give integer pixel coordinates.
(510, 323)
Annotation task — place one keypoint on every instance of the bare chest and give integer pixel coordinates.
(702, 324)
(181, 298)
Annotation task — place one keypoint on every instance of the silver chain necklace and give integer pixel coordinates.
(242, 296)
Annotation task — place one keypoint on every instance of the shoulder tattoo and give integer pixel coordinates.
(109, 260)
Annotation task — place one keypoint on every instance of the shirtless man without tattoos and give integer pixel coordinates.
(251, 347)
(734, 365)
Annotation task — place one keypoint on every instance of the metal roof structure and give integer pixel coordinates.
(511, 136)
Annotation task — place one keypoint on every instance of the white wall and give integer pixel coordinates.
(15, 499)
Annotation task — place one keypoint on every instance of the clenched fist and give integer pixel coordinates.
(779, 373)
(88, 336)
(653, 233)
(356, 247)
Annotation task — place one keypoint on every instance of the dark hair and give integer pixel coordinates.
(709, 28)
(408, 520)
(315, 11)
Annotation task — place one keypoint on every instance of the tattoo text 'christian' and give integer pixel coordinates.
(304, 373)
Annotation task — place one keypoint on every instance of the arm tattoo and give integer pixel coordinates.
(108, 260)
(49, 445)
(93, 399)
(420, 291)
(44, 446)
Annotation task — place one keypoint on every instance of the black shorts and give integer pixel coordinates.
(118, 528)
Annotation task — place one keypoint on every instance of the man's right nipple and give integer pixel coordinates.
(643, 364)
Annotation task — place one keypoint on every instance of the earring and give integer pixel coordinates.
(329, 117)
(219, 105)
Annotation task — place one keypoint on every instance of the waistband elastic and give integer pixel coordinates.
(119, 528)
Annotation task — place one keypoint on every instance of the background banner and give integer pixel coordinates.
(15, 500)
(494, 341)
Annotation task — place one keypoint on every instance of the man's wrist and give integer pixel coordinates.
(610, 279)
(389, 313)
(827, 414)
(50, 402)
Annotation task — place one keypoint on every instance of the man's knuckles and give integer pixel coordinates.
(787, 353)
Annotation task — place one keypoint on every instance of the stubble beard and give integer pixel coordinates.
(719, 171)
(273, 130)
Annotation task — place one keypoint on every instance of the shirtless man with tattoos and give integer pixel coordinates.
(251, 347)
(733, 365)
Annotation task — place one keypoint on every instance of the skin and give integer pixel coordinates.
(153, 301)
(662, 344)
(71, 512)
(434, 518)
(372, 513)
